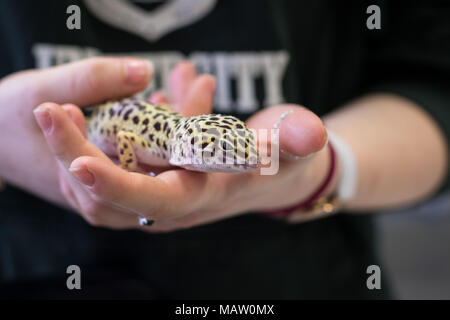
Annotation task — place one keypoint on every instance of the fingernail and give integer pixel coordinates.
(289, 156)
(138, 70)
(326, 140)
(43, 118)
(83, 175)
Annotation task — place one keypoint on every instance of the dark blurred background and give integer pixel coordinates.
(415, 247)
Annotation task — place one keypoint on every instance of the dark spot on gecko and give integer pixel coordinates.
(164, 146)
(204, 145)
(144, 130)
(166, 125)
(157, 126)
(115, 129)
(143, 144)
(111, 113)
(121, 151)
(127, 114)
(239, 126)
(129, 161)
(150, 136)
(135, 119)
(145, 122)
(102, 114)
(125, 146)
(157, 142)
(132, 139)
(101, 131)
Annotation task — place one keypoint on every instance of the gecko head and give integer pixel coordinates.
(214, 143)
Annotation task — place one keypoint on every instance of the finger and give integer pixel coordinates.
(62, 135)
(66, 188)
(77, 117)
(155, 198)
(181, 79)
(301, 132)
(91, 80)
(158, 98)
(95, 212)
(103, 215)
(200, 97)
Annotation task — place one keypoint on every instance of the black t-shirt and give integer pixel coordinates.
(317, 53)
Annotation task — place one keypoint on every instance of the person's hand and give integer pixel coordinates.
(25, 159)
(108, 196)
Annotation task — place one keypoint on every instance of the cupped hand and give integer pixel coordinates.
(25, 159)
(106, 195)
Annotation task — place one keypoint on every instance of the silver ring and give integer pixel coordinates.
(145, 222)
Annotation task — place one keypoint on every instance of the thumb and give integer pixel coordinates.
(90, 81)
(301, 132)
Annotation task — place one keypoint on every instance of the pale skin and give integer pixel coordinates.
(398, 164)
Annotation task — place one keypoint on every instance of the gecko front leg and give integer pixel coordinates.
(126, 143)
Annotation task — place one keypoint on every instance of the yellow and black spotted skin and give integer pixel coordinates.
(139, 132)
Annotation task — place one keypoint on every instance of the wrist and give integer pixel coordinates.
(319, 179)
(319, 171)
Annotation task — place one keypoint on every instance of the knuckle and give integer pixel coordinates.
(95, 69)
